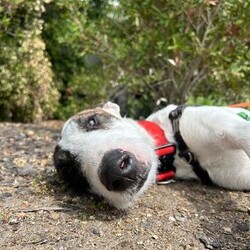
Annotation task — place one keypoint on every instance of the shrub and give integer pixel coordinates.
(27, 91)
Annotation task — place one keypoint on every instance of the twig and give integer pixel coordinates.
(35, 242)
(245, 209)
(55, 209)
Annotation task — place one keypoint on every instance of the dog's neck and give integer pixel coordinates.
(163, 149)
(155, 131)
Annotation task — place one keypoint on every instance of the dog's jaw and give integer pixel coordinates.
(125, 199)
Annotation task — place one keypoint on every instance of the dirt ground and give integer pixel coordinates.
(38, 212)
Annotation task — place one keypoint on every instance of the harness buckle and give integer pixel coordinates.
(166, 170)
(163, 149)
(188, 156)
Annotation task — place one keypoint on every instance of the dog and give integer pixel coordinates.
(115, 156)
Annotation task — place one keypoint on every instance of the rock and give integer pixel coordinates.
(244, 226)
(16, 184)
(190, 247)
(29, 133)
(24, 191)
(91, 217)
(171, 218)
(139, 242)
(4, 159)
(227, 229)
(26, 171)
(54, 216)
(209, 242)
(155, 237)
(180, 218)
(96, 231)
(13, 221)
(5, 195)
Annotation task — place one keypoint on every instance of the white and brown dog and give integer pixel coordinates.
(115, 157)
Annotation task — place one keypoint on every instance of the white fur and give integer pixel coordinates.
(218, 137)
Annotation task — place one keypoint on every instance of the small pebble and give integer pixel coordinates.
(139, 242)
(5, 195)
(26, 171)
(227, 229)
(13, 221)
(96, 231)
(244, 227)
(16, 184)
(171, 218)
(54, 216)
(155, 237)
(30, 133)
(4, 159)
(180, 218)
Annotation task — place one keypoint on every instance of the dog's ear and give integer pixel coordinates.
(69, 169)
(112, 108)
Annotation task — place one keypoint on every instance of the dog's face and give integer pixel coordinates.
(111, 155)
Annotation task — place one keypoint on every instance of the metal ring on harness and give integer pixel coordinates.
(190, 157)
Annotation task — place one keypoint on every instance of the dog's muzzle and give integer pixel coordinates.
(120, 170)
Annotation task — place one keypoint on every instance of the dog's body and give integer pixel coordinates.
(218, 137)
(116, 157)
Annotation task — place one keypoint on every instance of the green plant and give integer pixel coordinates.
(27, 91)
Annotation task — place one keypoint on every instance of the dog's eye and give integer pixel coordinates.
(92, 122)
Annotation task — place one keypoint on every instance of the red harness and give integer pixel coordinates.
(162, 148)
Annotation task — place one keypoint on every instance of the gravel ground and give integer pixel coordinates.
(38, 212)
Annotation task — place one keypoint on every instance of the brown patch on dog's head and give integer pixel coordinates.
(93, 119)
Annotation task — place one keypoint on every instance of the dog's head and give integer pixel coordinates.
(111, 155)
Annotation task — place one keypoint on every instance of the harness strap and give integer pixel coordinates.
(164, 149)
(184, 151)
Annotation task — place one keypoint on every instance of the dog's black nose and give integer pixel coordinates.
(118, 170)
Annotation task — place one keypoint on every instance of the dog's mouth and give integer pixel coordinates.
(121, 170)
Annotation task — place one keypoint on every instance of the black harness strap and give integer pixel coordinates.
(184, 151)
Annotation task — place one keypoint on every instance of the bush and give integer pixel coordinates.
(27, 92)
(179, 50)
